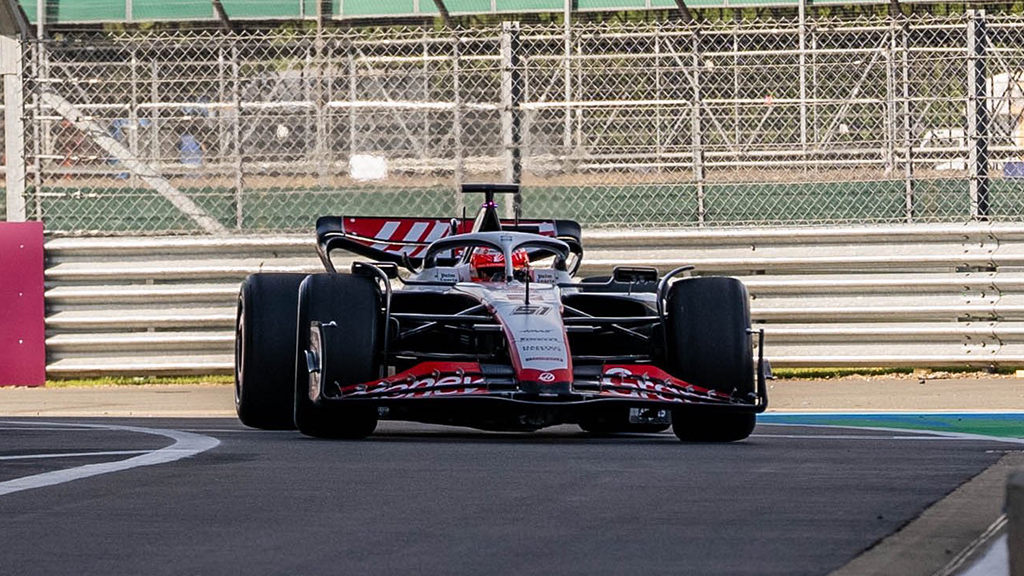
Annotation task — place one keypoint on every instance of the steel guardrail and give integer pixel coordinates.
(922, 295)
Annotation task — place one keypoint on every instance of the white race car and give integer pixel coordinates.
(489, 329)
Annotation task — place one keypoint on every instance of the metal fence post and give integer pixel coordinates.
(511, 94)
(352, 89)
(567, 79)
(460, 166)
(223, 144)
(908, 155)
(320, 148)
(236, 136)
(328, 88)
(813, 136)
(890, 101)
(133, 114)
(578, 87)
(14, 126)
(425, 97)
(736, 91)
(40, 126)
(977, 115)
(156, 158)
(696, 145)
(803, 79)
(659, 145)
(31, 70)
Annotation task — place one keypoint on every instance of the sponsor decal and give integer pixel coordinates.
(546, 377)
(644, 390)
(425, 383)
(425, 380)
(652, 384)
(542, 275)
(643, 396)
(436, 393)
(544, 359)
(532, 310)
(541, 348)
(617, 372)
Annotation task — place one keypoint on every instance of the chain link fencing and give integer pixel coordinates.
(666, 124)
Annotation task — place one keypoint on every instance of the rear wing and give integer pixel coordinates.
(404, 241)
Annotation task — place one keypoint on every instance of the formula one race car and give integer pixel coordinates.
(489, 330)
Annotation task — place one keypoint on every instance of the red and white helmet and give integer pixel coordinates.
(487, 264)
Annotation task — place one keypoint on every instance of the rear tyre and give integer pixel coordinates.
(709, 346)
(349, 356)
(264, 350)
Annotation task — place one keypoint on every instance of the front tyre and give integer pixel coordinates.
(709, 345)
(338, 327)
(264, 350)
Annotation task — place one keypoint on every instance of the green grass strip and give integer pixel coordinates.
(137, 381)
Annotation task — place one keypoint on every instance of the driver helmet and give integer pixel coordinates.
(488, 264)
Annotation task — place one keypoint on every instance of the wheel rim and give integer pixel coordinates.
(239, 351)
(316, 348)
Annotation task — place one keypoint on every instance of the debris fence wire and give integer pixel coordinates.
(663, 124)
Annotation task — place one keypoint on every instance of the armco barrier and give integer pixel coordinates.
(923, 295)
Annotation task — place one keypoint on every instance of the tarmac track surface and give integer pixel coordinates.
(418, 499)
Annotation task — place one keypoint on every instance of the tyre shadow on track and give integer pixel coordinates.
(562, 437)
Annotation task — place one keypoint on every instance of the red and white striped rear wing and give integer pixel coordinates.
(405, 240)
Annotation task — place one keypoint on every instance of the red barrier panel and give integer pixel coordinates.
(22, 332)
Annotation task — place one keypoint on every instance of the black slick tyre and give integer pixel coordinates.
(709, 346)
(265, 350)
(350, 307)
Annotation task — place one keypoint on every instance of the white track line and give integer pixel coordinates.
(853, 437)
(234, 430)
(27, 429)
(995, 560)
(185, 444)
(952, 435)
(73, 455)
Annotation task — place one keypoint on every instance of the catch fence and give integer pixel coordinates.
(656, 124)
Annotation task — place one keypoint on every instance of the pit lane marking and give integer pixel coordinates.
(186, 444)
